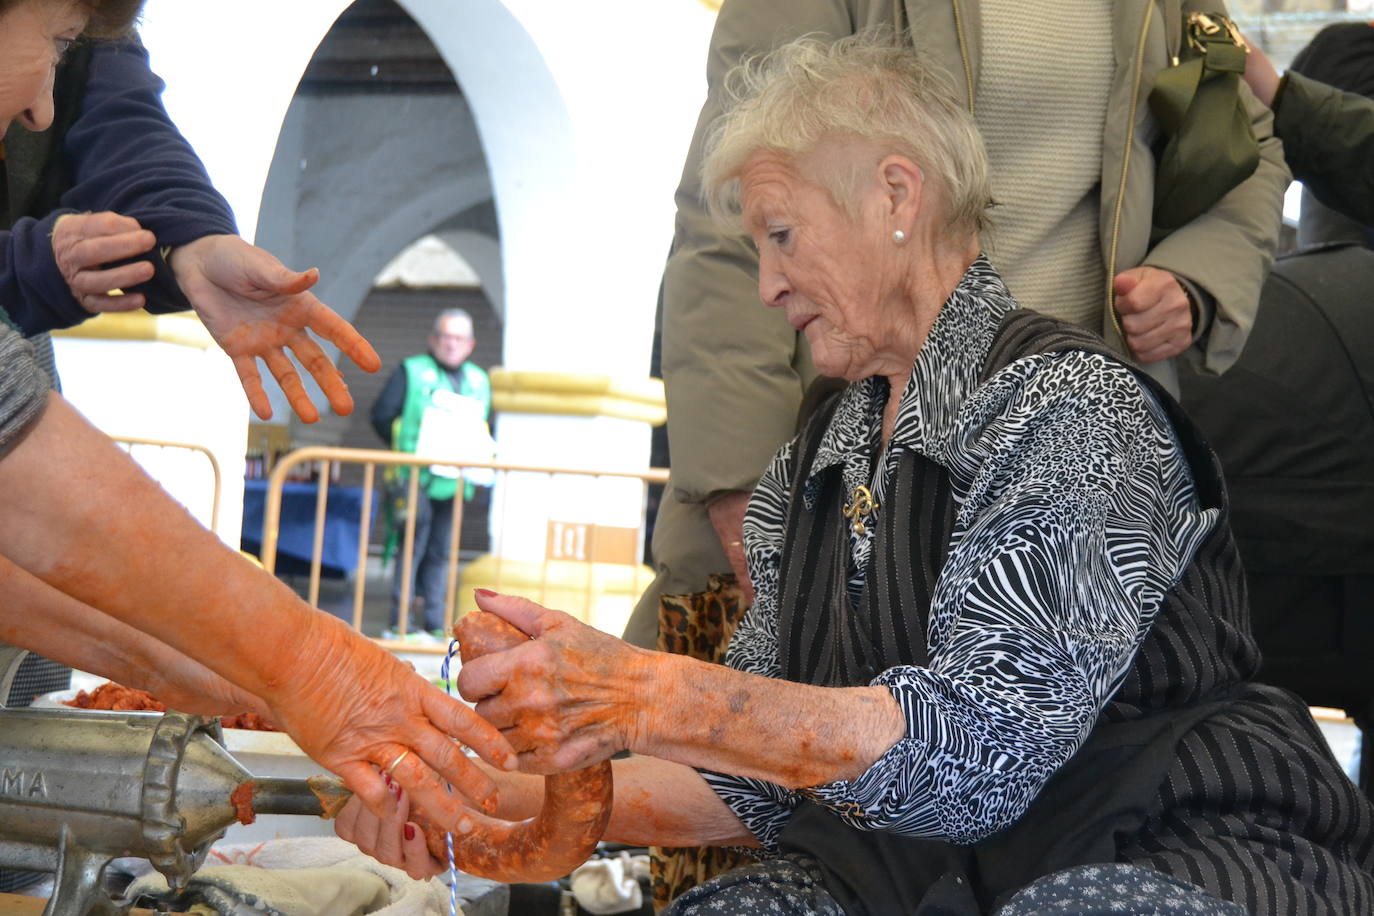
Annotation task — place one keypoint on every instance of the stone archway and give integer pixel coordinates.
(363, 168)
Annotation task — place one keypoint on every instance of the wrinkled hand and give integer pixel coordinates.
(1155, 313)
(82, 243)
(255, 308)
(354, 707)
(727, 518)
(569, 698)
(390, 838)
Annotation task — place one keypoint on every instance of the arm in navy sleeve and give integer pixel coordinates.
(123, 154)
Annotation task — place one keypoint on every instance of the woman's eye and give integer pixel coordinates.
(779, 236)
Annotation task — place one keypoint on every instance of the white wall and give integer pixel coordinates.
(172, 393)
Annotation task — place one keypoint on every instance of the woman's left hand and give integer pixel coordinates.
(256, 308)
(571, 697)
(1260, 75)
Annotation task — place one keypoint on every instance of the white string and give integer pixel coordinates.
(448, 837)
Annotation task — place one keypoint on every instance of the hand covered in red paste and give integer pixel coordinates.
(1156, 314)
(255, 308)
(570, 697)
(354, 707)
(390, 838)
(82, 243)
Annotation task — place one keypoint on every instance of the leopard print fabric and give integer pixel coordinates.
(698, 625)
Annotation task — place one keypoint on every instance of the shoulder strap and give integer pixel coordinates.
(1027, 333)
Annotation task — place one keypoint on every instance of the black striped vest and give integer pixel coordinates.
(1197, 649)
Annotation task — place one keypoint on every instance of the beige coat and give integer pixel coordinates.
(735, 371)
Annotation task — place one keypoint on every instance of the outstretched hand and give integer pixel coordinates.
(256, 308)
(570, 697)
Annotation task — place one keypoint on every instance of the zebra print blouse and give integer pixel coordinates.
(1075, 513)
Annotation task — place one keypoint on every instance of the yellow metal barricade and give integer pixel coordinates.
(561, 574)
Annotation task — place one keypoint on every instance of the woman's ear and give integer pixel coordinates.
(903, 183)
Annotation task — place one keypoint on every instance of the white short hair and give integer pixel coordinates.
(872, 88)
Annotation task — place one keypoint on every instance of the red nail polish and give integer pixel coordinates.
(485, 592)
(410, 832)
(398, 791)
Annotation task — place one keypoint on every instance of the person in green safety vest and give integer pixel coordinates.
(432, 389)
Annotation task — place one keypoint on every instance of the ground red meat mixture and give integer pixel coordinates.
(130, 699)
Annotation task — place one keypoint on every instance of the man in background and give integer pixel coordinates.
(433, 402)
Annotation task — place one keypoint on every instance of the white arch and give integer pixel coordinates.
(530, 145)
(231, 72)
(483, 254)
(351, 278)
(583, 117)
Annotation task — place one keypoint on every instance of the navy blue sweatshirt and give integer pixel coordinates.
(123, 154)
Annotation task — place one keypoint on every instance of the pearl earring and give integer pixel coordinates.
(899, 236)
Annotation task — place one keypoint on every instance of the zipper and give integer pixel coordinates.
(1175, 48)
(963, 52)
(1125, 169)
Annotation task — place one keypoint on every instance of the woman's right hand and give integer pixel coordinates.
(570, 697)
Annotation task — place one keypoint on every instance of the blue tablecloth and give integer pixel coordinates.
(296, 530)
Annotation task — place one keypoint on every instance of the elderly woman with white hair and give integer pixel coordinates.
(999, 658)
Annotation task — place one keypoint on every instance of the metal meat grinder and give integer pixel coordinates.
(79, 788)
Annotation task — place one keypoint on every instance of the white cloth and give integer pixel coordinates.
(453, 426)
(610, 885)
(302, 876)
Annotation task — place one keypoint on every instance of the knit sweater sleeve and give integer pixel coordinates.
(23, 390)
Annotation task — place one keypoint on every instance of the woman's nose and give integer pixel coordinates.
(773, 287)
(39, 113)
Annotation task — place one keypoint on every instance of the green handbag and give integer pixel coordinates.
(1211, 146)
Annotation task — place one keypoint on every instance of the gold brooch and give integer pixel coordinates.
(861, 504)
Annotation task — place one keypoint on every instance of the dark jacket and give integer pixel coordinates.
(112, 147)
(1328, 141)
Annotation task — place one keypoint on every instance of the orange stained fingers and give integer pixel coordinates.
(323, 370)
(329, 325)
(284, 371)
(458, 721)
(247, 369)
